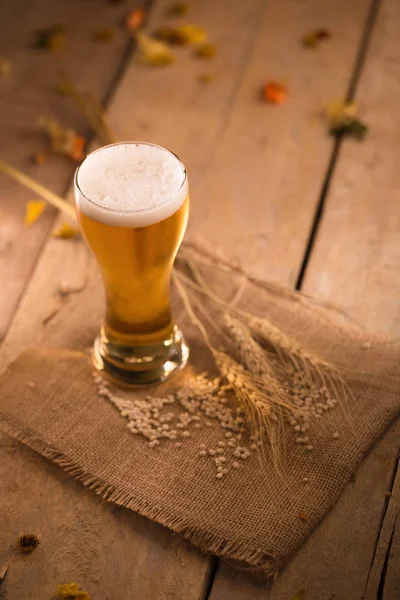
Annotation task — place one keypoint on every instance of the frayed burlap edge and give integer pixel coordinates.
(256, 562)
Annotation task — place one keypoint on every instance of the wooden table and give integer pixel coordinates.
(272, 191)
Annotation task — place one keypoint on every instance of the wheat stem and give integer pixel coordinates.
(39, 189)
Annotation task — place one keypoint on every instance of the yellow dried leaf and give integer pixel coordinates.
(63, 140)
(72, 591)
(51, 39)
(5, 68)
(339, 110)
(192, 34)
(184, 35)
(33, 210)
(207, 51)
(315, 37)
(153, 52)
(66, 232)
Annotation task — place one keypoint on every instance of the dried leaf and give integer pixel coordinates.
(72, 591)
(153, 52)
(178, 9)
(39, 158)
(354, 128)
(339, 110)
(5, 68)
(207, 51)
(300, 595)
(205, 78)
(33, 210)
(66, 232)
(275, 92)
(28, 542)
(184, 35)
(302, 516)
(51, 39)
(103, 35)
(63, 140)
(135, 19)
(314, 38)
(343, 120)
(65, 88)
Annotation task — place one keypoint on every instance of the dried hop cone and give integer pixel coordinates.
(28, 542)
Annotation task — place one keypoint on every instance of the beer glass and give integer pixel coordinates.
(132, 203)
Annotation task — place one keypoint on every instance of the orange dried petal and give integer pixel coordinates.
(135, 19)
(275, 92)
(78, 151)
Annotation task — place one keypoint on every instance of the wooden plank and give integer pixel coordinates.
(391, 587)
(269, 162)
(356, 251)
(156, 564)
(257, 169)
(384, 574)
(28, 93)
(366, 266)
(109, 551)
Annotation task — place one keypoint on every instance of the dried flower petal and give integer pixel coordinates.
(51, 39)
(33, 210)
(66, 232)
(103, 35)
(314, 38)
(135, 19)
(72, 591)
(184, 35)
(153, 52)
(63, 140)
(178, 9)
(207, 51)
(5, 68)
(275, 92)
(28, 542)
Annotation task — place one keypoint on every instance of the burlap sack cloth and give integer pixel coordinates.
(253, 516)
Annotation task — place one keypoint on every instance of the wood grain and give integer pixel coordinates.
(39, 496)
(29, 93)
(354, 265)
(256, 170)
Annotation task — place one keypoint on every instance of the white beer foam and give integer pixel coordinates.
(130, 185)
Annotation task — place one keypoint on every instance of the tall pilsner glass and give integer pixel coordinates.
(132, 203)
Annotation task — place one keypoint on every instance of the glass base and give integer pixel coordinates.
(142, 364)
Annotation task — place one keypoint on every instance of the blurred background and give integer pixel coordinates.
(282, 112)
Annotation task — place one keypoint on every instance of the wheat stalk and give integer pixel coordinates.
(39, 189)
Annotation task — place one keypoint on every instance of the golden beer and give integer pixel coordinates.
(134, 226)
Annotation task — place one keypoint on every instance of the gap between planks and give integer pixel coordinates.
(355, 78)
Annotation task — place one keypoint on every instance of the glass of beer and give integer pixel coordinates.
(132, 201)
